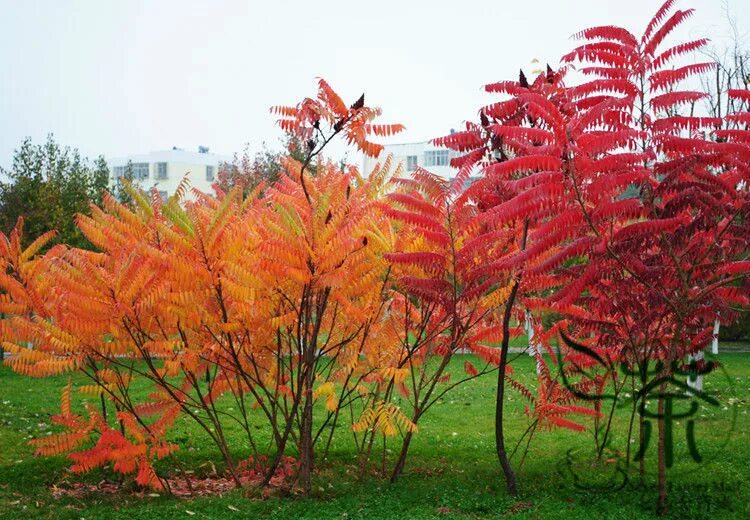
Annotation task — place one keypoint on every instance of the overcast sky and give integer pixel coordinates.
(126, 77)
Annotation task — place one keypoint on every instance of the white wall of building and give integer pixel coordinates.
(200, 168)
(424, 154)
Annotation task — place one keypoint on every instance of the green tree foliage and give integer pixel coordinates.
(48, 184)
(739, 330)
(248, 170)
(121, 192)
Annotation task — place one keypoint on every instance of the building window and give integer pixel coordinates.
(135, 171)
(210, 173)
(161, 170)
(140, 170)
(163, 195)
(436, 157)
(411, 163)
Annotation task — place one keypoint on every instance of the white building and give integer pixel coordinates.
(424, 154)
(165, 169)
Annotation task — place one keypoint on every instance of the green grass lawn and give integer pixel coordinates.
(734, 346)
(452, 471)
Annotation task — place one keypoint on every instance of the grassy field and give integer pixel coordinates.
(452, 471)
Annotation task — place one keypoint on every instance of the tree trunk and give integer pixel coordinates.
(231, 466)
(399, 468)
(306, 443)
(642, 443)
(364, 453)
(662, 506)
(502, 454)
(280, 446)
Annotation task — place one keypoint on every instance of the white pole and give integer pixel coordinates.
(697, 383)
(533, 348)
(529, 332)
(715, 338)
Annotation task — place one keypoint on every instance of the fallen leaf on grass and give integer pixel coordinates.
(519, 506)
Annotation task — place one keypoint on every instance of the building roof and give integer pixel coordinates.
(174, 155)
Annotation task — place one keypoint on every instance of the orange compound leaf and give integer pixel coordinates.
(331, 99)
(562, 422)
(59, 443)
(147, 476)
(163, 450)
(444, 378)
(158, 429)
(88, 460)
(384, 130)
(488, 354)
(316, 121)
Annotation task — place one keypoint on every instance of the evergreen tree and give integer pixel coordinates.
(49, 184)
